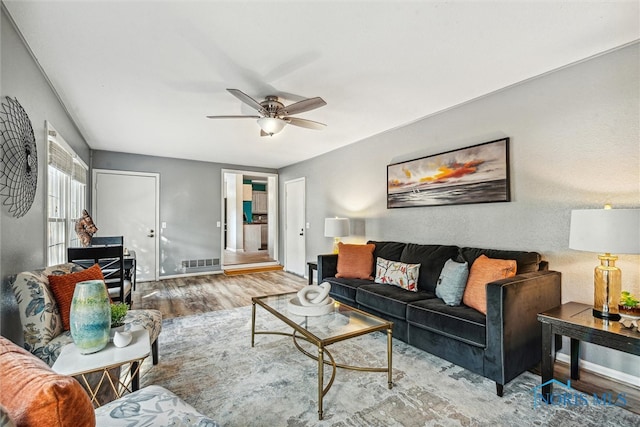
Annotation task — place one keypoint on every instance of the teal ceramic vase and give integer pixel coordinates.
(90, 316)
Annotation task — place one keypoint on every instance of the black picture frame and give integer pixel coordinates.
(474, 174)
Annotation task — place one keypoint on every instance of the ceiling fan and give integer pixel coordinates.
(274, 115)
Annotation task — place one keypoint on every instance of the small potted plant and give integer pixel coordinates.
(118, 313)
(629, 305)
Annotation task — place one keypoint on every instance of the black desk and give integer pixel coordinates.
(130, 267)
(576, 321)
(312, 266)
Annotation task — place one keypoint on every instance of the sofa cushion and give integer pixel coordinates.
(390, 300)
(460, 322)
(64, 285)
(431, 259)
(39, 314)
(345, 289)
(34, 395)
(452, 282)
(485, 270)
(355, 261)
(527, 261)
(397, 273)
(388, 250)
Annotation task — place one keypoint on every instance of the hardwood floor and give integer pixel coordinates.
(200, 294)
(234, 258)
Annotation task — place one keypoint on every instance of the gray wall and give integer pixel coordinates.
(574, 144)
(189, 203)
(23, 239)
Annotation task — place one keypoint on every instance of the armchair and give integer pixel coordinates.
(41, 321)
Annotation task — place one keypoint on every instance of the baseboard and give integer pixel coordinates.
(601, 370)
(198, 273)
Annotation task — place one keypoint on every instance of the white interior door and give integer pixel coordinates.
(295, 232)
(126, 204)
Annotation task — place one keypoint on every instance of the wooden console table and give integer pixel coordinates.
(576, 321)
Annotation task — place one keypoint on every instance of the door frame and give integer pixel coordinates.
(304, 222)
(272, 209)
(156, 177)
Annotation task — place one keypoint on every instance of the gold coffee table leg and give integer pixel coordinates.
(389, 356)
(320, 379)
(253, 322)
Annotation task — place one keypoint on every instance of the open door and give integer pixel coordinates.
(250, 216)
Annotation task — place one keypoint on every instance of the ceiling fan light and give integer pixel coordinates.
(271, 125)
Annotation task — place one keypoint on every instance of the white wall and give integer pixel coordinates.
(574, 144)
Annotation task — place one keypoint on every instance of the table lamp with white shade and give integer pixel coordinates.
(336, 228)
(606, 231)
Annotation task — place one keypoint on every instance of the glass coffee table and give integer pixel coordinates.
(342, 323)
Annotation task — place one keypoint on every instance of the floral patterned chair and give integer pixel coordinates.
(41, 321)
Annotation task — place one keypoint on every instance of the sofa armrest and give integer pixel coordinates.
(514, 335)
(327, 266)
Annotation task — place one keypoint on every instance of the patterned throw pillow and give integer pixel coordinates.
(452, 281)
(485, 270)
(398, 274)
(63, 287)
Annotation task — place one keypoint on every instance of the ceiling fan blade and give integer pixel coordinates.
(233, 117)
(309, 124)
(304, 105)
(247, 100)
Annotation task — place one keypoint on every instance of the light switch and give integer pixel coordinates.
(308, 225)
(218, 224)
(164, 224)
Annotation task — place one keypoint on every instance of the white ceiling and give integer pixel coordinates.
(140, 76)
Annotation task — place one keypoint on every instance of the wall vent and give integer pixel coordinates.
(194, 265)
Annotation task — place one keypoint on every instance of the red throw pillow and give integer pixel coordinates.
(34, 395)
(63, 286)
(485, 270)
(355, 261)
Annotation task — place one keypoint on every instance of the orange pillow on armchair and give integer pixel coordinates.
(63, 286)
(355, 261)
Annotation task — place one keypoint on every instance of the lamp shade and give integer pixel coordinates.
(271, 125)
(336, 227)
(605, 230)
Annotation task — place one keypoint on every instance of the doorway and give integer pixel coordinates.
(249, 234)
(138, 223)
(295, 230)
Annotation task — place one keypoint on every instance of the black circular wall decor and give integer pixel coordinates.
(19, 160)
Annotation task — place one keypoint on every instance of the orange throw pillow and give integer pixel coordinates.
(63, 286)
(485, 270)
(355, 261)
(34, 395)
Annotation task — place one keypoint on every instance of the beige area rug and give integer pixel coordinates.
(208, 361)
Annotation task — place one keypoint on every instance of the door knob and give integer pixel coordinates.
(150, 234)
(302, 231)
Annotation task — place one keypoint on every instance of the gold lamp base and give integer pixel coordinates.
(336, 240)
(607, 280)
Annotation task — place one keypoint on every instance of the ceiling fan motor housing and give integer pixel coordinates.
(272, 105)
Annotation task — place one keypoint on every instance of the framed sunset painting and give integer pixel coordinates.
(476, 174)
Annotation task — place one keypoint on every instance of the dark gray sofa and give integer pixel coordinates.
(499, 346)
